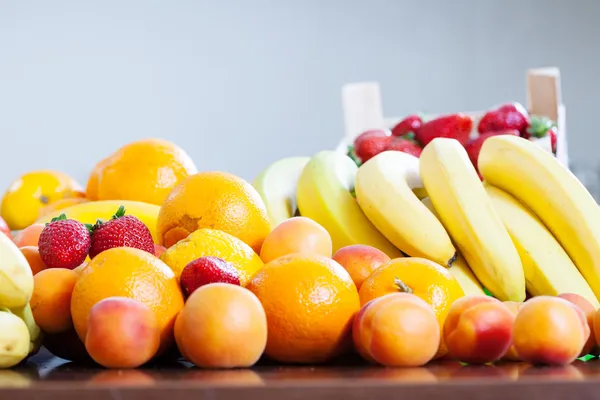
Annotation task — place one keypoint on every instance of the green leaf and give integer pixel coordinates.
(61, 217)
(352, 154)
(120, 212)
(539, 126)
(487, 292)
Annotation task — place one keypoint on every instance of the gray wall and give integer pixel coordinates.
(242, 83)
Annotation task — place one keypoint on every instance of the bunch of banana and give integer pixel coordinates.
(90, 212)
(553, 193)
(19, 334)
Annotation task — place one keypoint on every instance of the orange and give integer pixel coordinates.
(26, 196)
(310, 302)
(211, 242)
(61, 205)
(145, 170)
(423, 278)
(132, 273)
(216, 200)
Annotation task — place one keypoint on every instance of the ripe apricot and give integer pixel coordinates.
(34, 260)
(397, 330)
(360, 260)
(550, 330)
(29, 236)
(222, 326)
(296, 235)
(478, 329)
(51, 299)
(511, 354)
(122, 333)
(589, 311)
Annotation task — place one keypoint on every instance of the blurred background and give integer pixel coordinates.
(240, 84)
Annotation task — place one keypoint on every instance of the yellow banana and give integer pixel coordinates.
(14, 339)
(553, 193)
(16, 278)
(88, 213)
(548, 269)
(467, 213)
(324, 195)
(276, 184)
(459, 268)
(35, 334)
(384, 190)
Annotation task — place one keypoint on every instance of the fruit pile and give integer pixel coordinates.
(401, 260)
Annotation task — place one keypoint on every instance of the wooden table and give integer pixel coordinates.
(45, 377)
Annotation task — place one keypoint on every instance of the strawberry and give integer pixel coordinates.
(473, 146)
(412, 123)
(552, 132)
(64, 243)
(405, 146)
(455, 126)
(540, 127)
(4, 228)
(507, 116)
(370, 143)
(120, 231)
(205, 270)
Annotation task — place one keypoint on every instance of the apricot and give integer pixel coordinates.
(296, 235)
(511, 354)
(29, 236)
(550, 330)
(222, 326)
(51, 299)
(122, 333)
(397, 330)
(34, 260)
(478, 329)
(589, 311)
(360, 260)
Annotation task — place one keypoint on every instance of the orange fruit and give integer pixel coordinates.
(423, 278)
(132, 273)
(91, 189)
(145, 170)
(26, 196)
(61, 205)
(310, 302)
(216, 200)
(211, 242)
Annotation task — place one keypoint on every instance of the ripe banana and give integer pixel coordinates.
(467, 213)
(324, 195)
(548, 269)
(89, 213)
(35, 334)
(459, 268)
(14, 339)
(276, 184)
(384, 190)
(16, 278)
(553, 193)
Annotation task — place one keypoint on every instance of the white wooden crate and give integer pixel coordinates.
(363, 109)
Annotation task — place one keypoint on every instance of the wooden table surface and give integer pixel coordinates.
(46, 377)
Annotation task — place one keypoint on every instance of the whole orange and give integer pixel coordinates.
(310, 302)
(132, 273)
(145, 170)
(216, 200)
(26, 196)
(423, 278)
(91, 189)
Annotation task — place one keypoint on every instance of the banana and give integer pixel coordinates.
(324, 195)
(467, 213)
(552, 192)
(14, 340)
(276, 185)
(89, 212)
(459, 268)
(16, 278)
(384, 190)
(548, 269)
(35, 334)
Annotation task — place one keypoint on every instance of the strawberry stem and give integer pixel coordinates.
(120, 212)
(403, 287)
(61, 217)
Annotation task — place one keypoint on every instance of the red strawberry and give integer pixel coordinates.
(370, 143)
(121, 231)
(473, 147)
(405, 146)
(552, 132)
(507, 116)
(205, 270)
(412, 123)
(540, 127)
(64, 243)
(455, 126)
(4, 228)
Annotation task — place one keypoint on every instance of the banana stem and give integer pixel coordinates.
(402, 287)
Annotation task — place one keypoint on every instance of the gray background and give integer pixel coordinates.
(239, 84)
